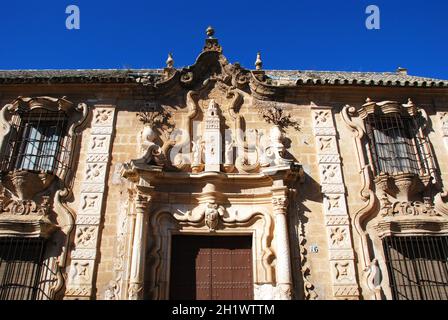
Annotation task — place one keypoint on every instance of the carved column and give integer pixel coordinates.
(137, 274)
(83, 257)
(283, 262)
(337, 221)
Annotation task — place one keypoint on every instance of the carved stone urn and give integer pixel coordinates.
(276, 136)
(277, 148)
(148, 134)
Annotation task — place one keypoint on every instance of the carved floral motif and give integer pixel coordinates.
(103, 116)
(338, 236)
(86, 236)
(321, 118)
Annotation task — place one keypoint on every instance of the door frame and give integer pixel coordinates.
(163, 225)
(221, 235)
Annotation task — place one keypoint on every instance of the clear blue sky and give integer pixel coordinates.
(311, 34)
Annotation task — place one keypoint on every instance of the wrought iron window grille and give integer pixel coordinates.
(418, 267)
(24, 273)
(37, 142)
(396, 144)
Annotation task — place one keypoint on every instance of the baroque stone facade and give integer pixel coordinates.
(215, 149)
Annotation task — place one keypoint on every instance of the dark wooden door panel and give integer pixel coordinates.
(203, 273)
(211, 268)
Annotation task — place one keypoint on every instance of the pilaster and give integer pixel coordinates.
(337, 222)
(84, 254)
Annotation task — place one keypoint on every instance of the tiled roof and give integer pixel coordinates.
(75, 76)
(279, 77)
(288, 78)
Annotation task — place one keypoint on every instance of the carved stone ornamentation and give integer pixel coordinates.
(84, 255)
(309, 292)
(212, 138)
(338, 236)
(321, 118)
(32, 202)
(112, 291)
(26, 207)
(212, 214)
(343, 272)
(415, 208)
(397, 203)
(151, 152)
(86, 236)
(280, 204)
(334, 204)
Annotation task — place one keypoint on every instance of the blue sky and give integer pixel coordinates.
(305, 35)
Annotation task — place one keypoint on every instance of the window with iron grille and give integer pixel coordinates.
(418, 267)
(22, 269)
(36, 142)
(396, 144)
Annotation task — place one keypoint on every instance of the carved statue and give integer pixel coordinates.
(228, 158)
(197, 151)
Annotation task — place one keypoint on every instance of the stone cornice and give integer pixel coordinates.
(26, 226)
(405, 226)
(154, 175)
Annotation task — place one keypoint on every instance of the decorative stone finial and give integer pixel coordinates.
(211, 43)
(402, 71)
(210, 32)
(170, 61)
(258, 62)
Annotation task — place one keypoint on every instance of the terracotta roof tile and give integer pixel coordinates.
(279, 77)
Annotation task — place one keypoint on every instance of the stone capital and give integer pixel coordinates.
(280, 204)
(142, 203)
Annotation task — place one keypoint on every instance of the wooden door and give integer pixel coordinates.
(211, 268)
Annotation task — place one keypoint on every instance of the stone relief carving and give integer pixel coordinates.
(80, 272)
(414, 208)
(86, 236)
(212, 214)
(84, 255)
(112, 291)
(338, 237)
(334, 205)
(321, 118)
(343, 272)
(103, 117)
(331, 173)
(309, 291)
